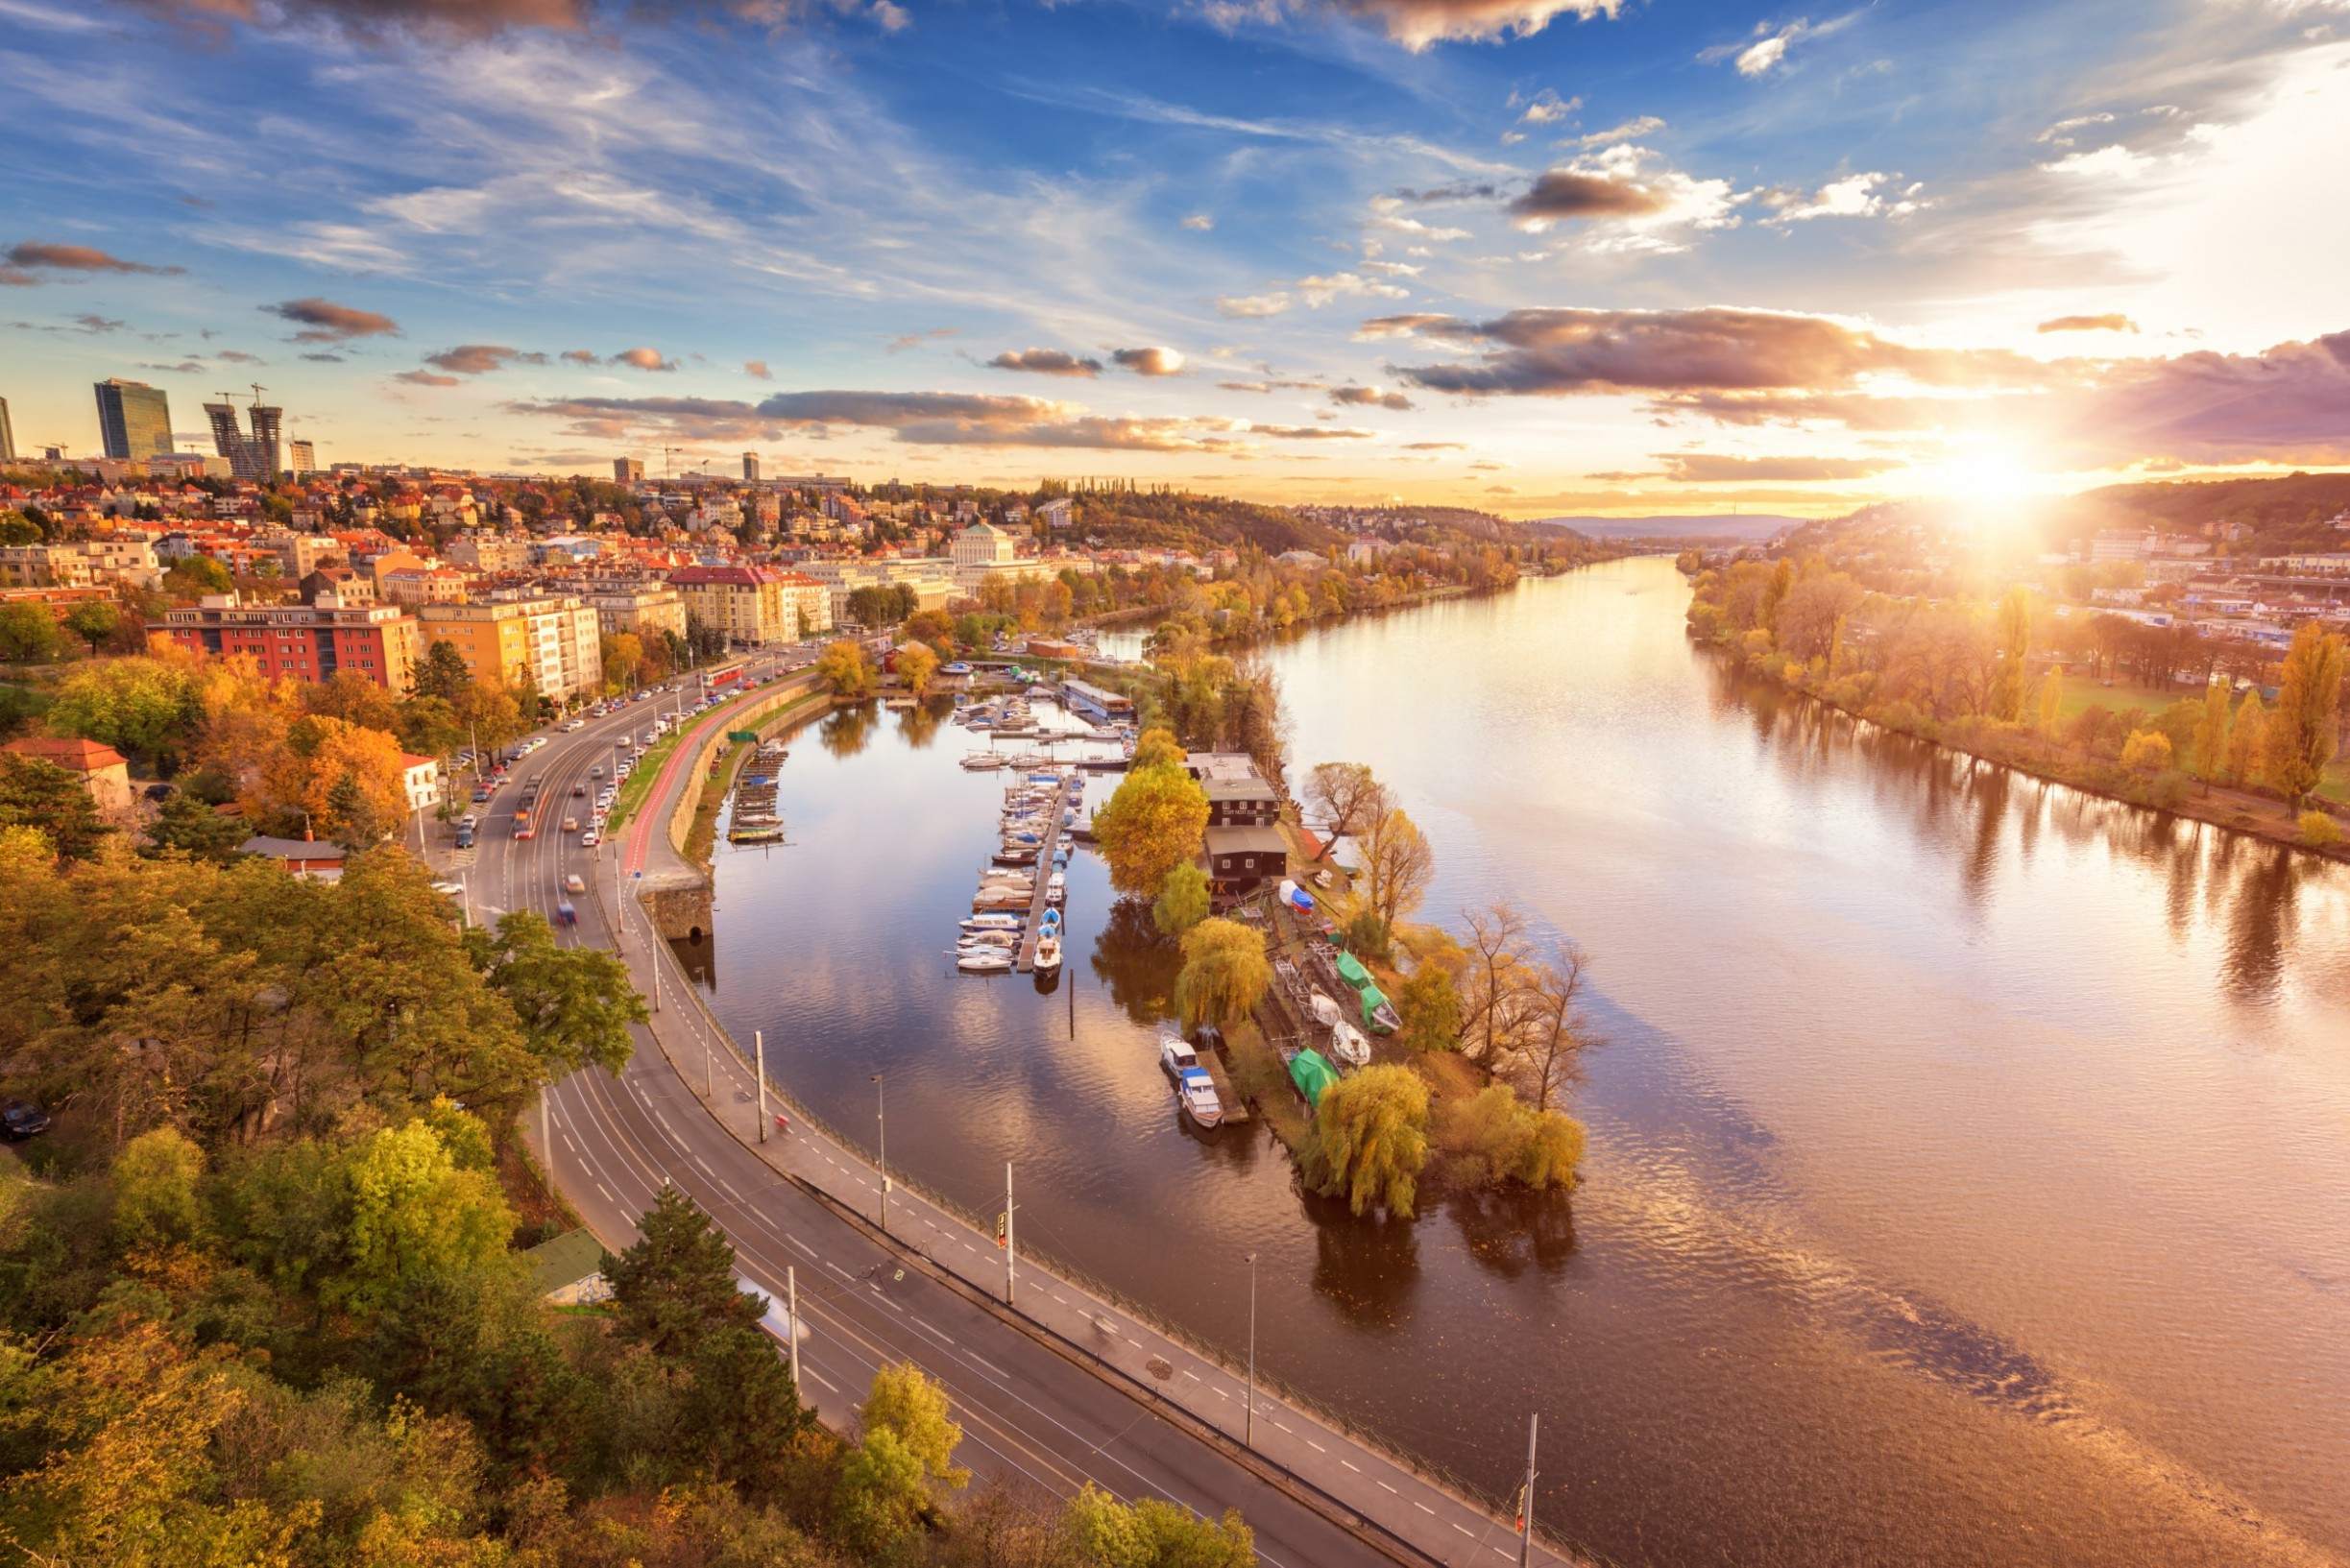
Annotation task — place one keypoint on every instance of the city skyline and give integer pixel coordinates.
(1533, 256)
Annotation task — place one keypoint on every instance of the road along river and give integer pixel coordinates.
(1970, 1170)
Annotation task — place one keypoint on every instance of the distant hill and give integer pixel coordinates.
(1744, 527)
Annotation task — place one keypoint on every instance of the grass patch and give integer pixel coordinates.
(2080, 693)
(702, 838)
(640, 782)
(1261, 1080)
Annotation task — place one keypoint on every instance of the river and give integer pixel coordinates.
(1970, 1159)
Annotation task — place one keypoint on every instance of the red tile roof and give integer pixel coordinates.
(76, 755)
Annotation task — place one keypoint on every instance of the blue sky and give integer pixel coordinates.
(1659, 256)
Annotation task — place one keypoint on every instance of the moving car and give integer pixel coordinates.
(570, 825)
(574, 883)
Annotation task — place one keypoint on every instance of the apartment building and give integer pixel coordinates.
(748, 604)
(489, 552)
(645, 608)
(930, 577)
(300, 641)
(547, 641)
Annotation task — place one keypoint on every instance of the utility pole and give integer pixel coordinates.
(1525, 1504)
(1011, 1249)
(758, 1045)
(791, 1309)
(709, 1084)
(880, 1112)
(1249, 1421)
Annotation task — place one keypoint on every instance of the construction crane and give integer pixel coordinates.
(257, 390)
(668, 469)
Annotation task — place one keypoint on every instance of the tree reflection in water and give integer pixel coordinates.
(1137, 963)
(1512, 1229)
(1367, 1266)
(918, 725)
(1961, 808)
(849, 731)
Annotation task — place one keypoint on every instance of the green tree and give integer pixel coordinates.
(2212, 735)
(1153, 1533)
(195, 829)
(155, 1179)
(847, 669)
(1183, 899)
(1429, 1005)
(428, 727)
(880, 1498)
(28, 633)
(904, 1401)
(93, 621)
(144, 707)
(191, 577)
(1150, 825)
(676, 1285)
(1225, 974)
(37, 793)
(442, 673)
(742, 1417)
(576, 1004)
(2298, 741)
(415, 1216)
(1371, 1138)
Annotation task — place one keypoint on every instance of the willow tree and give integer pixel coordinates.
(1225, 974)
(1371, 1133)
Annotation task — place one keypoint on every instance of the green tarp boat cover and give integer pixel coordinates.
(1312, 1073)
(1350, 970)
(1373, 999)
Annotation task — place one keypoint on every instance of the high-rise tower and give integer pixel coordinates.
(133, 420)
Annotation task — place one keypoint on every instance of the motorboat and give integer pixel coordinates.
(1349, 1045)
(1196, 1092)
(1048, 953)
(1177, 1056)
(990, 961)
(980, 762)
(993, 923)
(1057, 888)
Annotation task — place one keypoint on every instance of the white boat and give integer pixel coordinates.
(1198, 1094)
(1326, 1010)
(993, 961)
(1057, 889)
(1048, 953)
(1349, 1045)
(989, 939)
(992, 923)
(980, 762)
(1176, 1055)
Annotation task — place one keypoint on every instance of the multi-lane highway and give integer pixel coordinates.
(800, 1209)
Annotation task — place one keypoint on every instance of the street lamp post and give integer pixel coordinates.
(1249, 1421)
(880, 1114)
(1525, 1506)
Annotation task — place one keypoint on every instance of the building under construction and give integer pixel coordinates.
(258, 456)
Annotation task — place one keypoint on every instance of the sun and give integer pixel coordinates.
(1987, 476)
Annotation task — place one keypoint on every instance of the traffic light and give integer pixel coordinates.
(1001, 1227)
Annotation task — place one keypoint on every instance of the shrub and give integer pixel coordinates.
(2319, 830)
(2146, 751)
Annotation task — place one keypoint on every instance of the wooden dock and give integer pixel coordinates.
(1026, 964)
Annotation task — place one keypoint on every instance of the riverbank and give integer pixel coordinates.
(2028, 751)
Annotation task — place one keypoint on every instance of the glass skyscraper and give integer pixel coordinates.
(135, 419)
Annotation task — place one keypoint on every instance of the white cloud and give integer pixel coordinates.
(1631, 130)
(1854, 196)
(1200, 221)
(1548, 108)
(1269, 303)
(2113, 162)
(1757, 58)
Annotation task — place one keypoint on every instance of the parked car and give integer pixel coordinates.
(464, 839)
(21, 1119)
(590, 838)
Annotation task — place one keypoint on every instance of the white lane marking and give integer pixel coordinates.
(989, 1365)
(1349, 1466)
(802, 1245)
(1385, 1485)
(927, 1329)
(1311, 1444)
(816, 1377)
(1465, 1530)
(1423, 1507)
(607, 1197)
(886, 1302)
